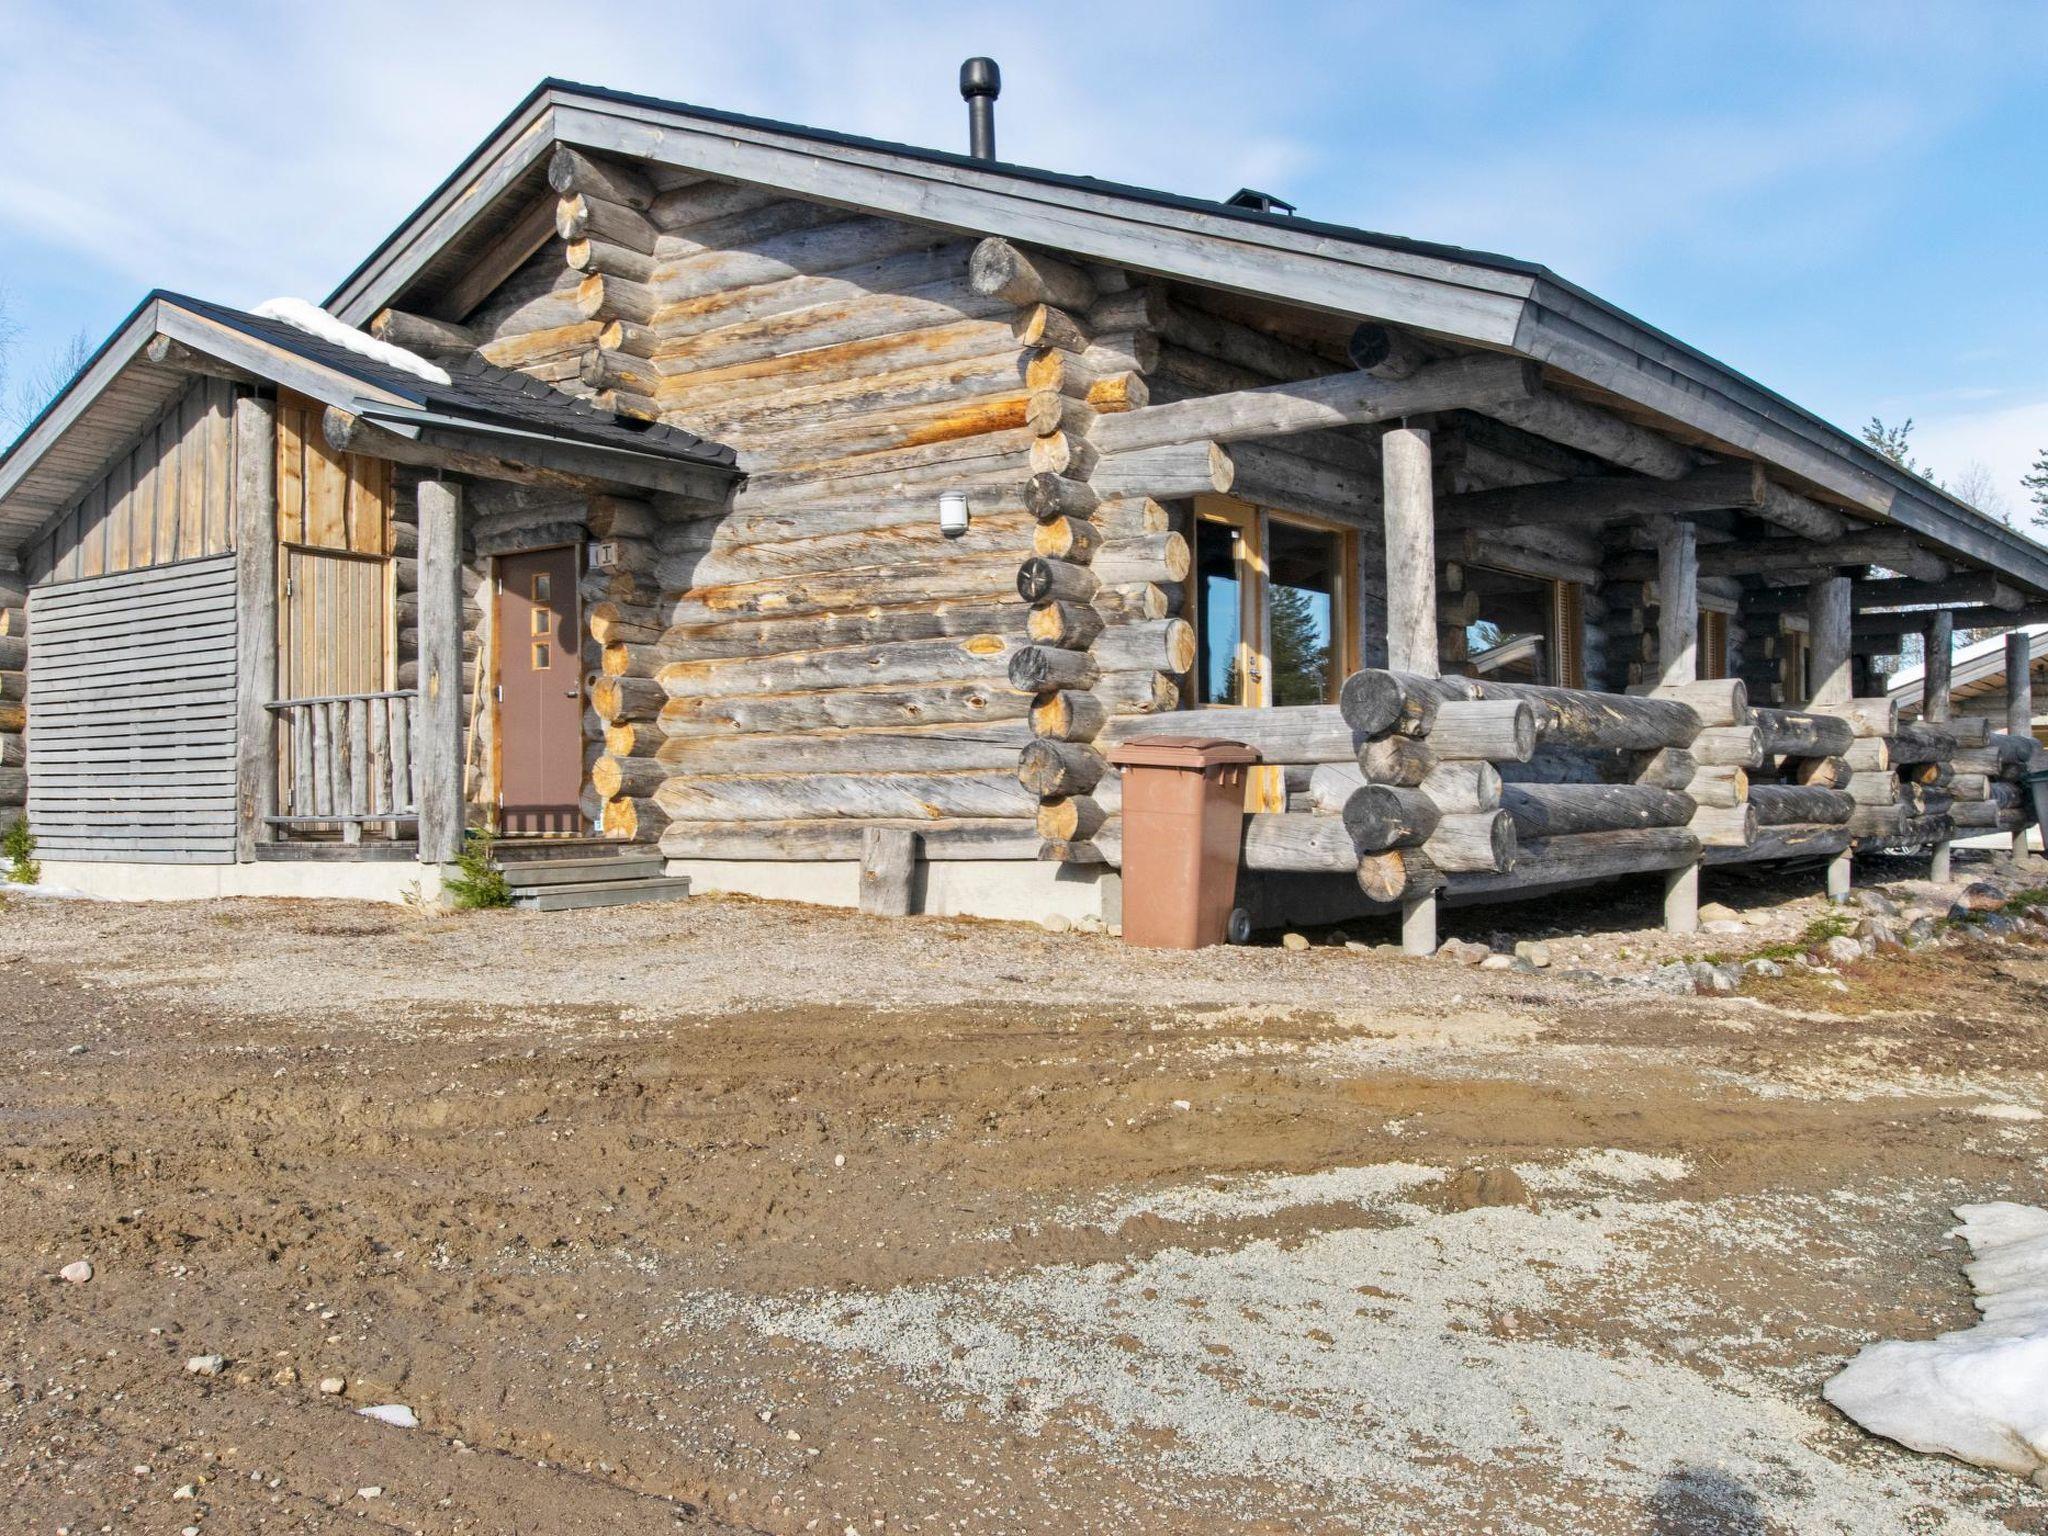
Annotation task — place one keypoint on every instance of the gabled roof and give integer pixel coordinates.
(1977, 668)
(1471, 297)
(120, 389)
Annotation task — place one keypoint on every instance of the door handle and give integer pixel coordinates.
(570, 693)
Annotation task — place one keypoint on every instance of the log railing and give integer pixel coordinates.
(345, 761)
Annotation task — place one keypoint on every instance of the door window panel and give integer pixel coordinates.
(1219, 586)
(1303, 567)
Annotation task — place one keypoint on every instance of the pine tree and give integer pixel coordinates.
(2036, 483)
(1301, 650)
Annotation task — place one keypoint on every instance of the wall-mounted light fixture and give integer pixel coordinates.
(953, 514)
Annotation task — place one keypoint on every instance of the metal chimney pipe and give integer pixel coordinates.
(980, 83)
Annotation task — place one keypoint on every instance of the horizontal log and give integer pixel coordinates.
(1724, 826)
(1071, 818)
(799, 795)
(1874, 716)
(949, 746)
(1459, 789)
(1578, 717)
(1779, 805)
(1305, 733)
(1377, 817)
(1664, 768)
(1168, 473)
(1068, 716)
(1042, 669)
(1717, 701)
(1818, 772)
(1762, 557)
(1334, 400)
(423, 334)
(1495, 730)
(1586, 857)
(1561, 810)
(1729, 746)
(1605, 499)
(1297, 843)
(1049, 767)
(1400, 874)
(1720, 786)
(1479, 841)
(1005, 271)
(1874, 788)
(1920, 742)
(945, 657)
(1800, 733)
(1805, 841)
(1398, 759)
(1375, 701)
(848, 708)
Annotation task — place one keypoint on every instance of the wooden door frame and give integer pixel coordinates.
(1266, 787)
(492, 645)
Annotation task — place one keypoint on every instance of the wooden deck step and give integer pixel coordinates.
(583, 871)
(602, 893)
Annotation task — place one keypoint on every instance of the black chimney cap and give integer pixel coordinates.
(980, 77)
(1258, 202)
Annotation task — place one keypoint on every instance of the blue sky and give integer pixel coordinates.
(1845, 201)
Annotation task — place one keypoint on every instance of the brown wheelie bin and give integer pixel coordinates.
(1183, 820)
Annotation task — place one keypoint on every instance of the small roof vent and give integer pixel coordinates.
(1257, 201)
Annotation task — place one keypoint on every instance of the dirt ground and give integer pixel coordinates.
(728, 1216)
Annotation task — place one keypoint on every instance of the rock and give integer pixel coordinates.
(285, 1376)
(1719, 912)
(1978, 896)
(1675, 978)
(1714, 979)
(332, 1386)
(76, 1050)
(2034, 916)
(1763, 968)
(1294, 941)
(1842, 950)
(1723, 925)
(1057, 922)
(1497, 963)
(397, 1415)
(1920, 931)
(371, 1492)
(185, 1491)
(1879, 933)
(77, 1272)
(206, 1365)
(1089, 924)
(1535, 951)
(1997, 925)
(1875, 901)
(1470, 1188)
(1357, 947)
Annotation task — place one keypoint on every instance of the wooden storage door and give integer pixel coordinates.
(331, 624)
(131, 702)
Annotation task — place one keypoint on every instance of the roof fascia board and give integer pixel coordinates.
(267, 361)
(522, 139)
(646, 471)
(1265, 260)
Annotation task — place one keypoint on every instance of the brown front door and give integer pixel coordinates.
(540, 693)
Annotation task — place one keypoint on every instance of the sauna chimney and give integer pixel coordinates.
(980, 83)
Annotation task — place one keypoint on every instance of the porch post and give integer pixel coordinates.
(255, 528)
(1828, 639)
(437, 749)
(1935, 706)
(1410, 519)
(2019, 707)
(1678, 662)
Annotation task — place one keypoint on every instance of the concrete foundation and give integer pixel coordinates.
(384, 880)
(1017, 890)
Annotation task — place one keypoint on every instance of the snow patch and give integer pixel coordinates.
(1979, 1394)
(2005, 1112)
(49, 892)
(315, 321)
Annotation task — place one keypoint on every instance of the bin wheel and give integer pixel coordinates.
(1240, 931)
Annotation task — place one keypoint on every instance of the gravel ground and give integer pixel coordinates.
(735, 1216)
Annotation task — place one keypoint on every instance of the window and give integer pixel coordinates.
(1271, 606)
(1529, 630)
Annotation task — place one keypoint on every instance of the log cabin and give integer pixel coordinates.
(689, 497)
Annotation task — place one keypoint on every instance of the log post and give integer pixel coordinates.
(1678, 623)
(1828, 634)
(888, 871)
(255, 428)
(1410, 511)
(437, 746)
(1936, 706)
(2019, 710)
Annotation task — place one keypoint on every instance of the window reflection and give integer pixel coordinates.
(1220, 599)
(1301, 613)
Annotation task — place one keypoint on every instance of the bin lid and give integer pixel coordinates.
(1191, 752)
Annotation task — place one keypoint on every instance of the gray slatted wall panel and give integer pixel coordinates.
(131, 716)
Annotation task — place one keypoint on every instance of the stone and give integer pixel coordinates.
(1997, 925)
(1459, 952)
(371, 1492)
(1714, 979)
(1089, 924)
(1470, 1188)
(76, 1050)
(2034, 916)
(77, 1272)
(1719, 912)
(206, 1365)
(397, 1415)
(1763, 968)
(332, 1386)
(1874, 901)
(1724, 926)
(1920, 931)
(1535, 951)
(1842, 950)
(1879, 933)
(1497, 963)
(1057, 922)
(1294, 941)
(1978, 896)
(1675, 978)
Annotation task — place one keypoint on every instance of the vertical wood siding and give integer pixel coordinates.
(168, 498)
(132, 689)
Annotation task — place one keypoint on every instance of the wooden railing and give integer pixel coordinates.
(345, 761)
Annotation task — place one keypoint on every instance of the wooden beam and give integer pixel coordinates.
(1979, 619)
(255, 514)
(1334, 400)
(1983, 587)
(166, 352)
(1935, 703)
(570, 466)
(422, 333)
(1770, 557)
(437, 742)
(1827, 619)
(1606, 499)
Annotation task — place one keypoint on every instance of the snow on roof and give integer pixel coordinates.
(315, 321)
(1972, 658)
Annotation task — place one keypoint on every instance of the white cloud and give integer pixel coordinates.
(2005, 441)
